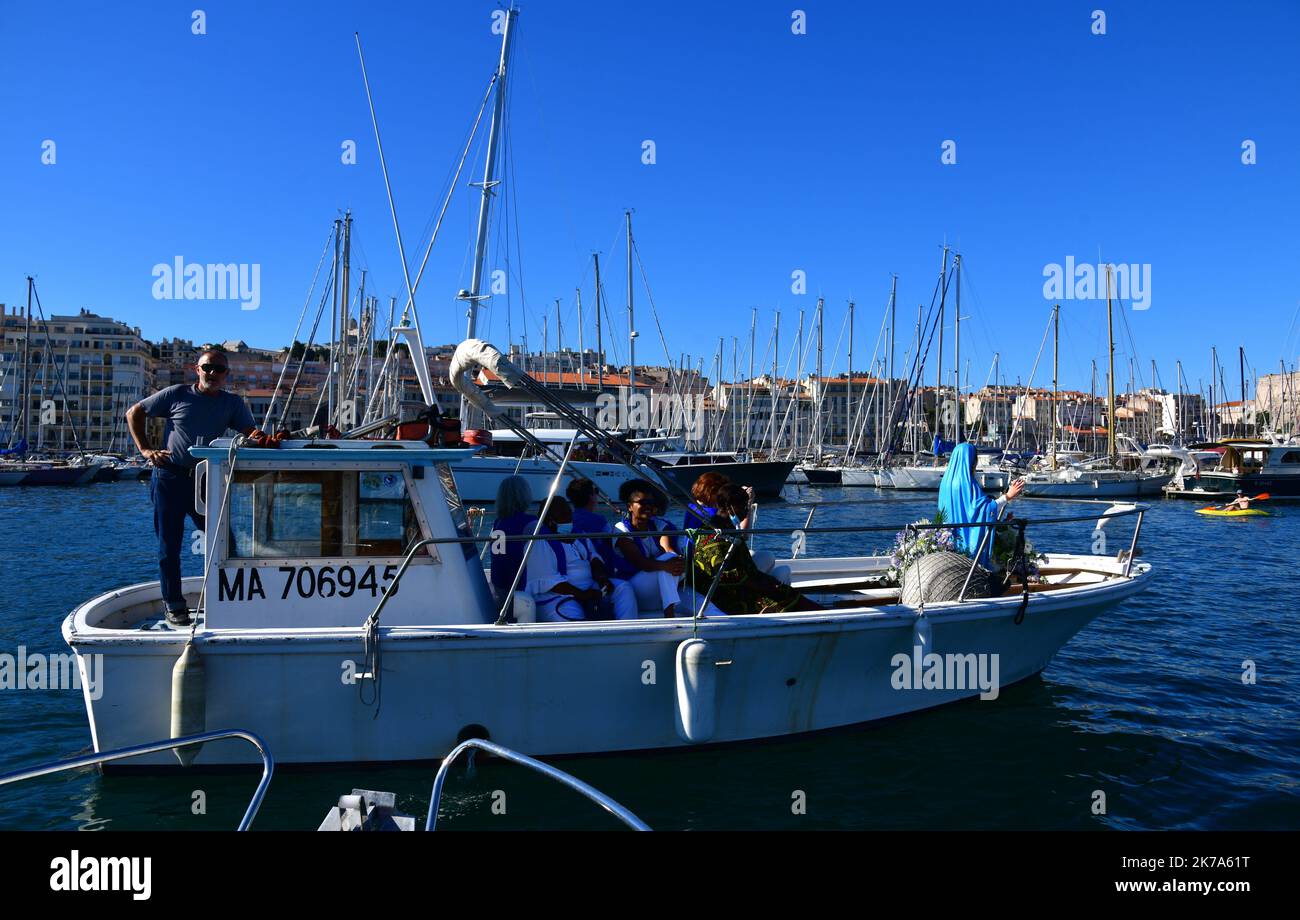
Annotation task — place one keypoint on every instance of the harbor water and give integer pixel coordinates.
(1177, 710)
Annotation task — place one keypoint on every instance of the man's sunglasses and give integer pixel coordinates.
(213, 368)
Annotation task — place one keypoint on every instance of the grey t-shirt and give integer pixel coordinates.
(192, 415)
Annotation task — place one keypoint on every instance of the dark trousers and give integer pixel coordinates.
(173, 499)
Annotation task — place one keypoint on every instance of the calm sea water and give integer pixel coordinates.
(1147, 704)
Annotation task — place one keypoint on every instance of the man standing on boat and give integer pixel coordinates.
(196, 414)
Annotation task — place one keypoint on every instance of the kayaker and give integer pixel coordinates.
(1240, 503)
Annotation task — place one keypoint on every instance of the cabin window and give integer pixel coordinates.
(320, 513)
(1291, 456)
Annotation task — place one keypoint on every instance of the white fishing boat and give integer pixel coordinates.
(344, 616)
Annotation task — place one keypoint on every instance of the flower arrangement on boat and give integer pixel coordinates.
(910, 545)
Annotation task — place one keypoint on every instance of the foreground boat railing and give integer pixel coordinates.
(593, 794)
(90, 760)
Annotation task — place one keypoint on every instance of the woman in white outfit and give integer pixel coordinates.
(568, 579)
(649, 563)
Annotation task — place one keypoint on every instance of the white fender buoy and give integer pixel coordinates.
(696, 691)
(922, 634)
(189, 703)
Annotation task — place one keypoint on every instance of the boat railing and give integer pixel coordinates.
(91, 760)
(1113, 510)
(590, 792)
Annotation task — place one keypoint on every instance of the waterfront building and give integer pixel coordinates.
(84, 371)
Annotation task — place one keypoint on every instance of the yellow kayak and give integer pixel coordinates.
(1249, 512)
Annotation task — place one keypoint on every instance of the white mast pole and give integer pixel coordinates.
(473, 295)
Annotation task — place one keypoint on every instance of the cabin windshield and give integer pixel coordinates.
(320, 513)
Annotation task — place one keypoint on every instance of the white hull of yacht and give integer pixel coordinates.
(552, 689)
(477, 478)
(1107, 484)
(919, 478)
(862, 476)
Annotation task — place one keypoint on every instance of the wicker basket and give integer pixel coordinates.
(937, 577)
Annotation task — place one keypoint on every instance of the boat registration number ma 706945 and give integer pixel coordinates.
(246, 584)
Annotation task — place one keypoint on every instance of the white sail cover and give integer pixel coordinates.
(472, 355)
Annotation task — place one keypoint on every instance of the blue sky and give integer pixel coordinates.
(775, 152)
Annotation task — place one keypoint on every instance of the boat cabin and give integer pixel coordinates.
(312, 534)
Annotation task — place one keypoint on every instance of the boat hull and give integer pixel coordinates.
(915, 478)
(556, 689)
(1251, 484)
(861, 476)
(765, 477)
(51, 476)
(822, 475)
(477, 478)
(1113, 485)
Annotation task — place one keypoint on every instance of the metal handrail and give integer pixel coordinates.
(372, 621)
(90, 760)
(572, 782)
(764, 531)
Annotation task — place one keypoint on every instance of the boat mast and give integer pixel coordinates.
(1178, 406)
(797, 437)
(771, 389)
(26, 383)
(848, 390)
(631, 323)
(749, 387)
(1241, 365)
(1110, 377)
(1056, 349)
(918, 398)
(559, 337)
(735, 375)
(472, 296)
(582, 359)
(956, 359)
(938, 365)
(600, 346)
(889, 386)
(817, 419)
(1214, 415)
(331, 386)
(342, 382)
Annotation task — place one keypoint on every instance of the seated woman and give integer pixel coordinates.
(705, 494)
(645, 563)
(568, 579)
(514, 498)
(961, 500)
(742, 587)
(586, 519)
(701, 511)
